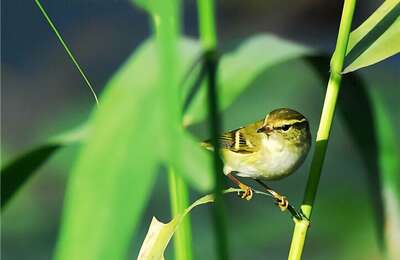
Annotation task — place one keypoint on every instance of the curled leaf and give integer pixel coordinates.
(159, 234)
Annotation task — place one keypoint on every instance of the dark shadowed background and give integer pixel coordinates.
(42, 94)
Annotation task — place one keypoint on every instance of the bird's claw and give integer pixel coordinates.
(246, 193)
(282, 202)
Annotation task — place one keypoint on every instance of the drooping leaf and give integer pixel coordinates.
(113, 177)
(376, 39)
(239, 68)
(15, 173)
(108, 186)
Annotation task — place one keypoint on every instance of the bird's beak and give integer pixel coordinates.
(264, 129)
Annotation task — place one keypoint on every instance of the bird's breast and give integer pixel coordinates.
(278, 164)
(273, 161)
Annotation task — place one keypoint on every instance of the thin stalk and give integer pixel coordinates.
(208, 40)
(208, 36)
(179, 195)
(66, 48)
(301, 226)
(166, 21)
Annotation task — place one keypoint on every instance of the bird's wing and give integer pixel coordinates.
(241, 140)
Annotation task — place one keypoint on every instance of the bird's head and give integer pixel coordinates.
(287, 125)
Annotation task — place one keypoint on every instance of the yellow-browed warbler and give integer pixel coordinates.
(269, 149)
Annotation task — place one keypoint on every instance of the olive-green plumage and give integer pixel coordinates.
(269, 149)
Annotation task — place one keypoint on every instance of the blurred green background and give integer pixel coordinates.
(43, 94)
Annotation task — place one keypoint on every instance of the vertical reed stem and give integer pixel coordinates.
(179, 198)
(301, 226)
(167, 21)
(208, 40)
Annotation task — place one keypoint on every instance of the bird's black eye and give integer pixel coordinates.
(285, 127)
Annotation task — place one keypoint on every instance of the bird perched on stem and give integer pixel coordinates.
(269, 149)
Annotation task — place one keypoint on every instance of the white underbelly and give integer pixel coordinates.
(279, 165)
(265, 165)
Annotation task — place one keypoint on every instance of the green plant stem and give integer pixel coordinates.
(208, 40)
(166, 21)
(179, 195)
(208, 36)
(67, 50)
(301, 227)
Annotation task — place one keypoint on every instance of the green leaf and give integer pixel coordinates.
(364, 124)
(17, 172)
(112, 180)
(376, 39)
(144, 4)
(238, 69)
(359, 120)
(390, 167)
(166, 25)
(194, 166)
(110, 183)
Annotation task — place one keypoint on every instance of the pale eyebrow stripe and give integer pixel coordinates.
(292, 122)
(295, 121)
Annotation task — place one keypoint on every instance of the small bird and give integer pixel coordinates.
(269, 149)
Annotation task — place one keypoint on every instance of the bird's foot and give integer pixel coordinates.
(282, 202)
(246, 193)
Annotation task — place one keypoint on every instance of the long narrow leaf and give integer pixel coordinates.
(111, 182)
(389, 165)
(376, 39)
(194, 164)
(17, 172)
(238, 69)
(358, 112)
